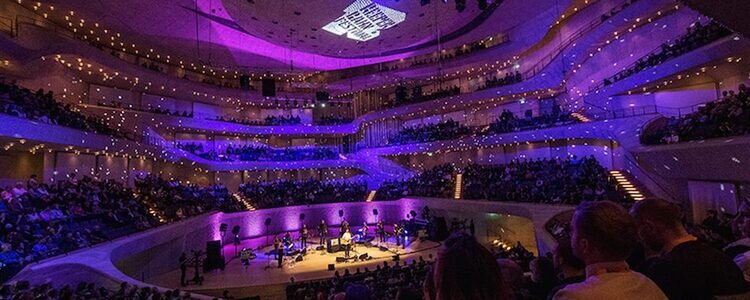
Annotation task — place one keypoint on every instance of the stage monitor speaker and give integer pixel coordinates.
(244, 82)
(269, 87)
(340, 259)
(223, 227)
(383, 248)
(299, 258)
(322, 96)
(363, 256)
(331, 267)
(396, 257)
(214, 260)
(236, 229)
(319, 248)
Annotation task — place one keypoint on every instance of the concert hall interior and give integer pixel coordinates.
(374, 149)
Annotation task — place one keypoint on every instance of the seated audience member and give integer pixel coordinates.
(569, 267)
(543, 278)
(686, 268)
(740, 250)
(466, 270)
(603, 235)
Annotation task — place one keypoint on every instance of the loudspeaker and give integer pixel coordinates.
(223, 227)
(424, 2)
(322, 96)
(363, 256)
(214, 260)
(302, 217)
(341, 213)
(482, 4)
(460, 5)
(396, 257)
(375, 211)
(382, 248)
(244, 82)
(299, 258)
(236, 229)
(340, 259)
(331, 267)
(319, 248)
(269, 87)
(268, 221)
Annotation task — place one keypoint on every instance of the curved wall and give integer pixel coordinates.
(138, 257)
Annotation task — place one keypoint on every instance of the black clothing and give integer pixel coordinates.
(694, 270)
(565, 282)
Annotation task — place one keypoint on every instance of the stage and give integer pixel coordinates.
(263, 272)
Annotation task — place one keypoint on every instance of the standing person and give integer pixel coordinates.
(346, 241)
(303, 236)
(323, 232)
(183, 268)
(364, 230)
(686, 268)
(276, 246)
(381, 231)
(396, 233)
(603, 235)
(471, 227)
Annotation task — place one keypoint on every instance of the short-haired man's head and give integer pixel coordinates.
(563, 255)
(656, 221)
(603, 230)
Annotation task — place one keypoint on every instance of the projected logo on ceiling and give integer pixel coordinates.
(363, 20)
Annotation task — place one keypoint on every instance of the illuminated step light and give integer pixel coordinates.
(371, 196)
(457, 190)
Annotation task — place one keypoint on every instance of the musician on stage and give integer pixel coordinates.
(183, 268)
(346, 242)
(396, 233)
(323, 231)
(381, 231)
(287, 242)
(276, 246)
(344, 226)
(303, 236)
(364, 230)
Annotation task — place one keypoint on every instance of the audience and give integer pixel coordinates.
(334, 120)
(386, 282)
(569, 267)
(437, 182)
(261, 153)
(418, 97)
(42, 107)
(422, 133)
(290, 192)
(268, 121)
(175, 201)
(466, 270)
(554, 181)
(84, 290)
(697, 36)
(685, 267)
(508, 122)
(510, 78)
(728, 116)
(151, 109)
(603, 237)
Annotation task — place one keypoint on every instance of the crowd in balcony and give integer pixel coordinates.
(150, 109)
(302, 192)
(552, 181)
(417, 96)
(40, 220)
(697, 36)
(508, 79)
(508, 122)
(436, 182)
(41, 106)
(424, 133)
(728, 116)
(173, 201)
(267, 121)
(334, 120)
(87, 290)
(261, 153)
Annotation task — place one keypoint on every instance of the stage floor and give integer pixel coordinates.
(263, 270)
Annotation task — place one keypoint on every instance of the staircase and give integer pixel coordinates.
(627, 184)
(580, 117)
(371, 196)
(244, 201)
(457, 188)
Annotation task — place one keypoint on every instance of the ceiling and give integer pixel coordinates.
(287, 35)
